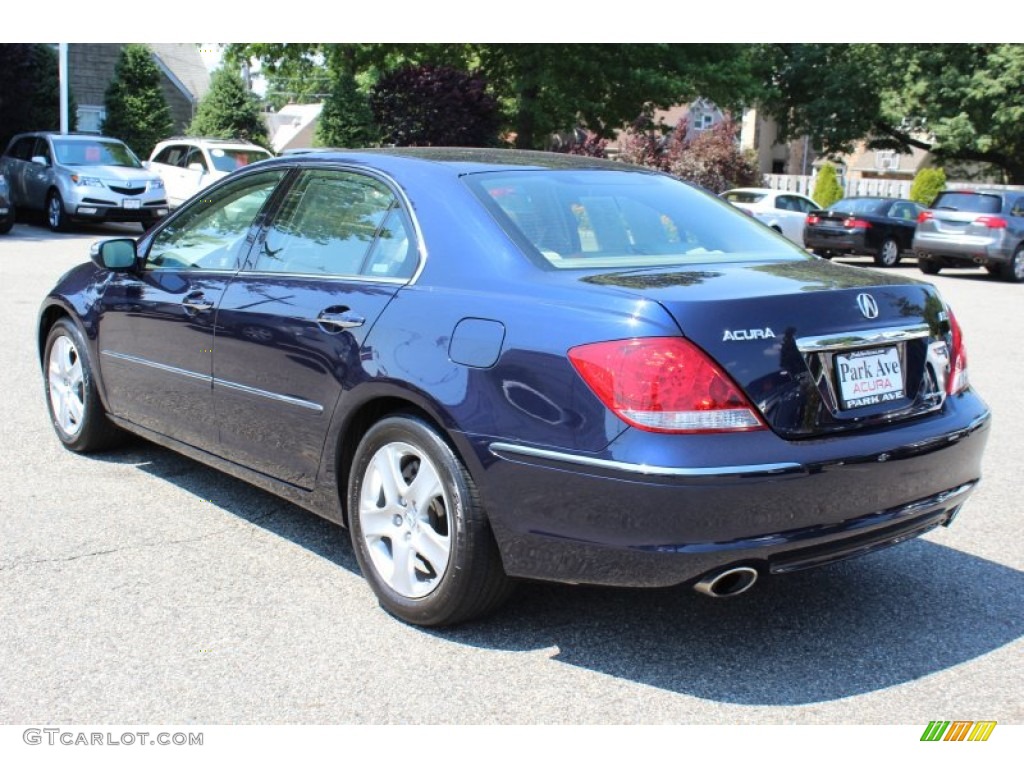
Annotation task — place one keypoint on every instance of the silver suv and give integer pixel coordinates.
(81, 177)
(973, 228)
(189, 164)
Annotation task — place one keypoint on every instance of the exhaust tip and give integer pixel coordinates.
(727, 583)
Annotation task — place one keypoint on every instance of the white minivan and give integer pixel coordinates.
(188, 164)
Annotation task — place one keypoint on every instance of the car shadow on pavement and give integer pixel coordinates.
(847, 629)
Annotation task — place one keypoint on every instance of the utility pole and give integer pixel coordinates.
(62, 49)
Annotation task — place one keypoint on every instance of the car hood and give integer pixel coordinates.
(765, 323)
(113, 173)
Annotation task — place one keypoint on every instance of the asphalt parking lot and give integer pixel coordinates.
(141, 587)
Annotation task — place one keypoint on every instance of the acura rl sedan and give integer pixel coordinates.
(494, 365)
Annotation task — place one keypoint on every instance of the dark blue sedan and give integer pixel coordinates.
(492, 365)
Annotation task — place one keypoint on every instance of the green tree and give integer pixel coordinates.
(137, 112)
(546, 88)
(927, 184)
(826, 187)
(29, 90)
(346, 120)
(229, 111)
(961, 102)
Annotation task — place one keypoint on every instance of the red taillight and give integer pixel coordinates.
(852, 223)
(664, 385)
(957, 380)
(924, 216)
(813, 218)
(992, 222)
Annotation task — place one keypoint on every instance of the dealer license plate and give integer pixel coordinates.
(869, 377)
(132, 205)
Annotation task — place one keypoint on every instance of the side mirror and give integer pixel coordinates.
(117, 255)
(40, 160)
(196, 167)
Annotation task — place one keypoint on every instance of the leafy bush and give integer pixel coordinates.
(711, 158)
(137, 112)
(826, 188)
(436, 106)
(927, 184)
(346, 120)
(229, 111)
(581, 142)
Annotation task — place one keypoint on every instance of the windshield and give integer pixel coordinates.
(858, 205)
(232, 159)
(622, 219)
(967, 201)
(744, 197)
(95, 153)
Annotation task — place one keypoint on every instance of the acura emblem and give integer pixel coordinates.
(868, 305)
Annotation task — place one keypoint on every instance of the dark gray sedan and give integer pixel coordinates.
(880, 227)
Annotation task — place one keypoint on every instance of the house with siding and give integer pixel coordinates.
(183, 79)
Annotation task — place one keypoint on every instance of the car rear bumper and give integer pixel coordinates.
(972, 250)
(836, 239)
(610, 522)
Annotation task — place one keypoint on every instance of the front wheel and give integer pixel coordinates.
(418, 529)
(888, 254)
(1013, 271)
(56, 216)
(76, 412)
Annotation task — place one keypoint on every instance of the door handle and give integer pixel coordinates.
(197, 302)
(338, 319)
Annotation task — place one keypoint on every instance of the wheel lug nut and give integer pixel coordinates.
(397, 520)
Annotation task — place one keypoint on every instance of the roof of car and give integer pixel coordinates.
(466, 159)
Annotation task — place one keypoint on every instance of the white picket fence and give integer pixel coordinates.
(804, 185)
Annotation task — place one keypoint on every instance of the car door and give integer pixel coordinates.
(169, 164)
(195, 174)
(156, 328)
(901, 221)
(291, 325)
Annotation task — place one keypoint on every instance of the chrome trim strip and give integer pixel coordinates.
(867, 338)
(332, 277)
(315, 407)
(157, 366)
(647, 469)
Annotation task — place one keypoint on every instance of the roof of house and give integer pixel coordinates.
(183, 66)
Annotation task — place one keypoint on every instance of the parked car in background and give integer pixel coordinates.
(983, 228)
(6, 206)
(81, 177)
(784, 212)
(188, 164)
(881, 227)
(492, 364)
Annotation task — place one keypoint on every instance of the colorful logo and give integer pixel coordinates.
(958, 730)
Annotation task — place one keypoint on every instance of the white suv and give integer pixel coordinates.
(188, 164)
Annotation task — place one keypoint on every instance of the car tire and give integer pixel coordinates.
(928, 266)
(7, 223)
(823, 254)
(418, 528)
(76, 412)
(1013, 270)
(888, 254)
(56, 216)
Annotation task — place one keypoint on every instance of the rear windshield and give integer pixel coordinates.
(858, 205)
(587, 219)
(968, 201)
(743, 197)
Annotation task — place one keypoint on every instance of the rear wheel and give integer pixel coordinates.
(888, 253)
(75, 409)
(418, 529)
(1013, 271)
(928, 266)
(7, 222)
